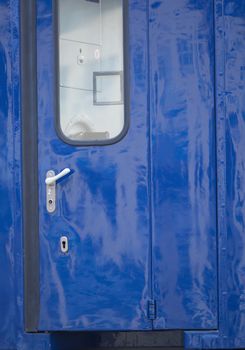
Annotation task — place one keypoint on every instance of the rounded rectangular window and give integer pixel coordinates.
(91, 71)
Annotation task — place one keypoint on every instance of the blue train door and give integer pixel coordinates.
(94, 222)
(126, 164)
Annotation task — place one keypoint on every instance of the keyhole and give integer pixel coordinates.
(64, 244)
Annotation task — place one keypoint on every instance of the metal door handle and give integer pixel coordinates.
(52, 180)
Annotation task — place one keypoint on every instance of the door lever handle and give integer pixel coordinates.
(52, 180)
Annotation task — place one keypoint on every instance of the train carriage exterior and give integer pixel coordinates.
(122, 181)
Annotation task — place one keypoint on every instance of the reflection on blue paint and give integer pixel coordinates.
(195, 267)
(230, 107)
(103, 208)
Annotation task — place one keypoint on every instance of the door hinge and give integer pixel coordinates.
(152, 309)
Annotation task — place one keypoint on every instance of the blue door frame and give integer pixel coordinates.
(229, 48)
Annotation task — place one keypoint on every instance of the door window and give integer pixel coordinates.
(91, 70)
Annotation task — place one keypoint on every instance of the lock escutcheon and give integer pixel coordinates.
(64, 244)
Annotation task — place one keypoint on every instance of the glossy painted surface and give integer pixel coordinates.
(12, 334)
(102, 207)
(7, 282)
(105, 207)
(183, 164)
(230, 108)
(230, 94)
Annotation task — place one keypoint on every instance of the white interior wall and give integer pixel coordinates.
(97, 31)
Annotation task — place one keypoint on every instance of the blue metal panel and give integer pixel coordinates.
(183, 164)
(11, 267)
(7, 282)
(102, 283)
(113, 183)
(230, 63)
(230, 77)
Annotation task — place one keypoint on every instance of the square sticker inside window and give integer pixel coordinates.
(108, 88)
